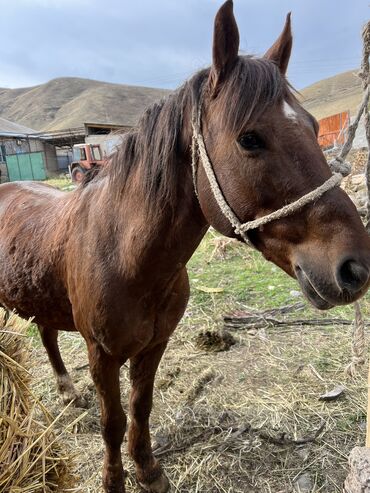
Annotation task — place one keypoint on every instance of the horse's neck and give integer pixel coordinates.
(161, 241)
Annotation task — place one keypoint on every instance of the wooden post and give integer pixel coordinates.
(368, 411)
(358, 479)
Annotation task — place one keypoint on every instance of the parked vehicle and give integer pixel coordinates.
(85, 157)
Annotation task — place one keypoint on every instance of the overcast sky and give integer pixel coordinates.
(160, 43)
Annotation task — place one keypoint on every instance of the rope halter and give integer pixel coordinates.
(199, 152)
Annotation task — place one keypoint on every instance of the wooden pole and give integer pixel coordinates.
(365, 75)
(368, 412)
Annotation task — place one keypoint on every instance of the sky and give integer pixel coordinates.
(160, 43)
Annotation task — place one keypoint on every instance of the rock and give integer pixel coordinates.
(358, 480)
(295, 294)
(362, 211)
(303, 483)
(303, 453)
(359, 179)
(333, 394)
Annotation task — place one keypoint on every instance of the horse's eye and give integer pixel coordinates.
(251, 141)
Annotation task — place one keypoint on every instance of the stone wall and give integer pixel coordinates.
(355, 183)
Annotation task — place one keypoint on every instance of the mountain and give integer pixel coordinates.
(333, 95)
(69, 102)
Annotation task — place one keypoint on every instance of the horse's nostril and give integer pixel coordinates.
(352, 275)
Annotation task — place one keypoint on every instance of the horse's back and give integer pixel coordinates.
(14, 189)
(27, 194)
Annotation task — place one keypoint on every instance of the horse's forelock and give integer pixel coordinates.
(254, 85)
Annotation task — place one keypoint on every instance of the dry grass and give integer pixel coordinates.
(31, 458)
(238, 421)
(227, 421)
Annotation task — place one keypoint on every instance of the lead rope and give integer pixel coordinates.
(358, 343)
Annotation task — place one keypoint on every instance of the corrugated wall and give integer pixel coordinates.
(333, 129)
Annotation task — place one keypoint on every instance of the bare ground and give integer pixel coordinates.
(226, 421)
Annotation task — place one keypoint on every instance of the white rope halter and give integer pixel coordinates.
(199, 151)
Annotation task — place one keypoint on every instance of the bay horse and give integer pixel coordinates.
(109, 259)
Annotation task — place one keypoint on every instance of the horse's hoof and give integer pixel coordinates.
(113, 489)
(77, 400)
(80, 401)
(68, 392)
(160, 485)
(114, 481)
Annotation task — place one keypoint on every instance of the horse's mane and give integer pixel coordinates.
(154, 145)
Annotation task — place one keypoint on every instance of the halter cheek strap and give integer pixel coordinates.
(199, 152)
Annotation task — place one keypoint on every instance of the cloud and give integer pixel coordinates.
(161, 43)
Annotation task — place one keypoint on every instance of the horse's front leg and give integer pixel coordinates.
(142, 371)
(65, 385)
(105, 373)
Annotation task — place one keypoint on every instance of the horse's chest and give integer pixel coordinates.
(135, 323)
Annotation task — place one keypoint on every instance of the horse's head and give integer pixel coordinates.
(263, 147)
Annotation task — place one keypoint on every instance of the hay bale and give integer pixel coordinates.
(30, 457)
(358, 480)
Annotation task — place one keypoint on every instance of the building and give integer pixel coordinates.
(24, 154)
(68, 143)
(107, 135)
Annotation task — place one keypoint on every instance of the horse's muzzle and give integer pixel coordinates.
(349, 281)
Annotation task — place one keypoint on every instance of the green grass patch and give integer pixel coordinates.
(63, 182)
(246, 278)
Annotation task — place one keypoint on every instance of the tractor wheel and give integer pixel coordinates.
(77, 174)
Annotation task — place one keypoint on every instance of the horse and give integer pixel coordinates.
(109, 258)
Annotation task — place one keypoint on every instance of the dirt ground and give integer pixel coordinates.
(227, 421)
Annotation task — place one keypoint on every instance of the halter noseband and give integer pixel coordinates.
(199, 151)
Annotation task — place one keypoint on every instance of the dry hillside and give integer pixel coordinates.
(333, 95)
(69, 102)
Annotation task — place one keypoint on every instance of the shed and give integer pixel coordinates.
(24, 155)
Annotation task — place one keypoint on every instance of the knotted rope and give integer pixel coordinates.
(358, 343)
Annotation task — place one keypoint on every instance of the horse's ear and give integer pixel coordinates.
(225, 45)
(281, 49)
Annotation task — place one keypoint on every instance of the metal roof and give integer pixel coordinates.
(11, 129)
(62, 138)
(58, 138)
